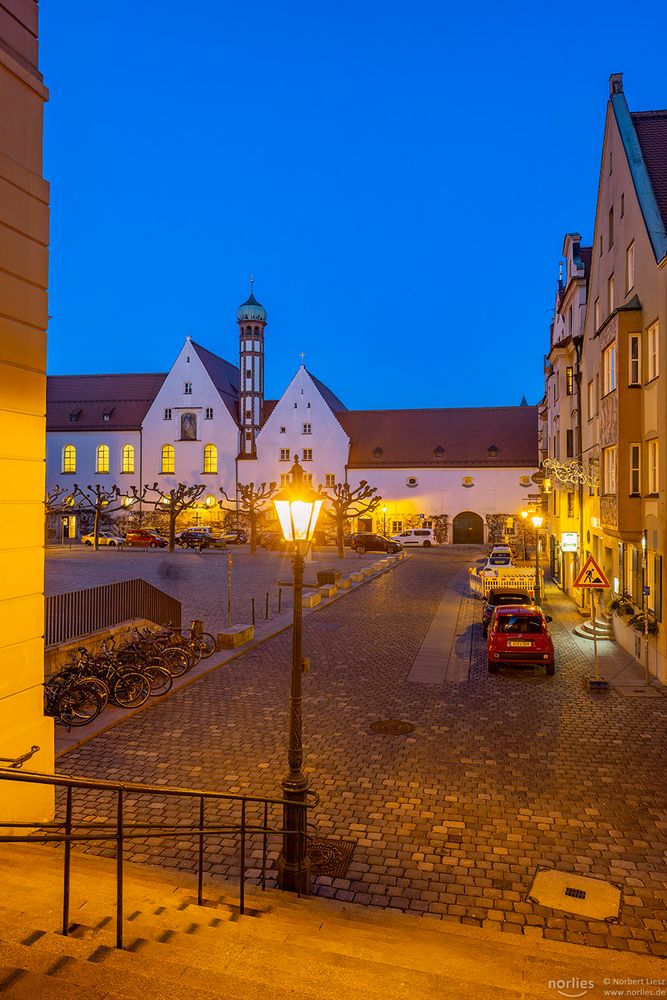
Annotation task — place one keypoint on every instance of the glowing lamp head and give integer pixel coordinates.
(524, 514)
(298, 507)
(537, 521)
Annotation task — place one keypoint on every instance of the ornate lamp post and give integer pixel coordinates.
(524, 515)
(298, 507)
(384, 520)
(537, 524)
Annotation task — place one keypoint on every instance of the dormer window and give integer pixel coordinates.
(187, 389)
(378, 452)
(107, 413)
(493, 451)
(74, 416)
(439, 451)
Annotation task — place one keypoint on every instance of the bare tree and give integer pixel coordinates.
(100, 501)
(58, 500)
(172, 502)
(346, 503)
(252, 502)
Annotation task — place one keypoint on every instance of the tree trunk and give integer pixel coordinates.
(96, 527)
(340, 530)
(253, 532)
(172, 526)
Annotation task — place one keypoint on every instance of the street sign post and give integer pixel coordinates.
(590, 577)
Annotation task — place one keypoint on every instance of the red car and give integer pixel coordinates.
(146, 537)
(518, 636)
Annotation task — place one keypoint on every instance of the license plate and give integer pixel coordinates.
(519, 643)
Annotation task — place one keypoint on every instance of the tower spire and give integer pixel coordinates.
(251, 318)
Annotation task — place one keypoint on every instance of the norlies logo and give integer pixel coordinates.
(572, 987)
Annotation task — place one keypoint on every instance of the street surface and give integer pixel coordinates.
(501, 775)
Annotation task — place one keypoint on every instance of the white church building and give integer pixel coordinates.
(207, 421)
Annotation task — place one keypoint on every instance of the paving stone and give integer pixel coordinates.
(503, 773)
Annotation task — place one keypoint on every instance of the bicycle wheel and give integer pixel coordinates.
(177, 660)
(79, 705)
(159, 679)
(98, 685)
(207, 643)
(131, 689)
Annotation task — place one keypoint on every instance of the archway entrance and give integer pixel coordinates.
(468, 529)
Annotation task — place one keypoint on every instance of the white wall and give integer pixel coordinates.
(86, 443)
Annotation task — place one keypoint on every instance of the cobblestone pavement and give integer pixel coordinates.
(197, 579)
(502, 774)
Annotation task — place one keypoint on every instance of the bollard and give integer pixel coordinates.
(253, 610)
(280, 599)
(266, 614)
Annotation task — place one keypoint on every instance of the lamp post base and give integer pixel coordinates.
(294, 868)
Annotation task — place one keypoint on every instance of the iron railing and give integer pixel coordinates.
(79, 612)
(70, 831)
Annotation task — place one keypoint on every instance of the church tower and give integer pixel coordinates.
(251, 318)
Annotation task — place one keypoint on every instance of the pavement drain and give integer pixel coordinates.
(330, 857)
(392, 727)
(594, 898)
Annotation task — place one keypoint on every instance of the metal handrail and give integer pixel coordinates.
(119, 831)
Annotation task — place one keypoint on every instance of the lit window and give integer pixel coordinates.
(209, 413)
(168, 459)
(127, 458)
(635, 469)
(653, 358)
(609, 369)
(102, 459)
(210, 458)
(188, 389)
(307, 455)
(306, 428)
(630, 267)
(167, 413)
(634, 366)
(284, 454)
(569, 380)
(69, 458)
(330, 479)
(609, 456)
(653, 466)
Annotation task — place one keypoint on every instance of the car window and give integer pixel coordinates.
(511, 599)
(519, 624)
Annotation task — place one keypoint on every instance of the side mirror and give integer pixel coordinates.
(548, 618)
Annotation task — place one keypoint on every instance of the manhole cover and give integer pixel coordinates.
(642, 692)
(330, 857)
(594, 898)
(392, 727)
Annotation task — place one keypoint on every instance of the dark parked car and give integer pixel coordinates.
(366, 541)
(146, 538)
(518, 636)
(272, 540)
(498, 597)
(191, 538)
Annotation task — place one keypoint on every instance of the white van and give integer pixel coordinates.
(416, 536)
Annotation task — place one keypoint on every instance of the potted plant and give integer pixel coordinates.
(622, 605)
(637, 622)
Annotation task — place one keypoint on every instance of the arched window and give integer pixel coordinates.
(102, 461)
(210, 458)
(69, 458)
(128, 458)
(167, 458)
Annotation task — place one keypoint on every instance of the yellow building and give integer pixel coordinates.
(24, 237)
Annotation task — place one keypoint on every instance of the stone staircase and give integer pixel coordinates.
(283, 947)
(604, 629)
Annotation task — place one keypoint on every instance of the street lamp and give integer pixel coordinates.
(524, 515)
(298, 507)
(537, 524)
(384, 520)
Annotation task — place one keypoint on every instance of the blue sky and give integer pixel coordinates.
(398, 177)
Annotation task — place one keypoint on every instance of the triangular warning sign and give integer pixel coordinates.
(591, 576)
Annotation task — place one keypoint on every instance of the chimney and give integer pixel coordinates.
(616, 83)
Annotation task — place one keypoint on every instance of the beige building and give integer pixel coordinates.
(615, 426)
(24, 237)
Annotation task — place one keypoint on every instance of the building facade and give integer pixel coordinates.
(619, 423)
(207, 420)
(24, 240)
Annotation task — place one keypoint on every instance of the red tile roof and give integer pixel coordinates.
(651, 129)
(409, 438)
(125, 398)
